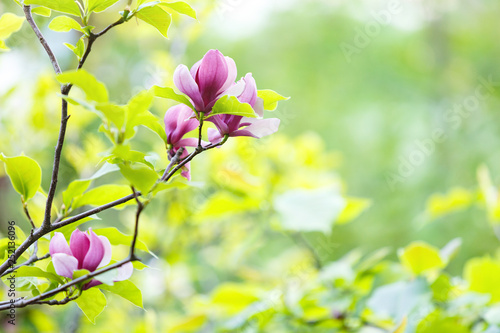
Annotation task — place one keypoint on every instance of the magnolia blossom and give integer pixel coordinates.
(231, 125)
(180, 120)
(207, 80)
(85, 251)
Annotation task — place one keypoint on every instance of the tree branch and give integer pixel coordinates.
(38, 33)
(21, 303)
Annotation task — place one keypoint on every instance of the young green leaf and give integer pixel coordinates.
(115, 237)
(100, 5)
(94, 89)
(169, 93)
(9, 23)
(92, 302)
(127, 290)
(64, 24)
(180, 7)
(102, 195)
(420, 257)
(79, 49)
(271, 99)
(156, 17)
(24, 173)
(231, 105)
(139, 176)
(74, 190)
(42, 11)
(31, 271)
(63, 6)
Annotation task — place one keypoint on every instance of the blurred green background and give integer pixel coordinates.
(370, 92)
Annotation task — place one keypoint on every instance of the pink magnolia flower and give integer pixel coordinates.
(179, 120)
(207, 80)
(85, 251)
(231, 125)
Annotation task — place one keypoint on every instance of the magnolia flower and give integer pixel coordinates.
(180, 120)
(85, 251)
(207, 80)
(231, 125)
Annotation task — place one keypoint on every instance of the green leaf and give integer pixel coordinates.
(42, 11)
(156, 17)
(420, 257)
(139, 176)
(181, 7)
(441, 204)
(271, 99)
(104, 194)
(483, 275)
(100, 5)
(113, 113)
(75, 189)
(95, 90)
(127, 290)
(63, 6)
(10, 23)
(79, 49)
(64, 24)
(31, 271)
(169, 93)
(24, 173)
(231, 105)
(309, 210)
(92, 302)
(354, 207)
(115, 237)
(151, 122)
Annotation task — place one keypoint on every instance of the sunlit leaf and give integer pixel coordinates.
(10, 23)
(127, 290)
(64, 24)
(24, 173)
(95, 90)
(156, 17)
(92, 302)
(420, 257)
(169, 93)
(231, 105)
(63, 6)
(271, 99)
(483, 275)
(104, 194)
(179, 6)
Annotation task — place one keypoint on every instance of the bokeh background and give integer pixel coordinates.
(371, 83)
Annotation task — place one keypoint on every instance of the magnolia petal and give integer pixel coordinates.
(91, 284)
(212, 75)
(124, 272)
(249, 94)
(79, 244)
(179, 121)
(259, 107)
(258, 128)
(58, 244)
(64, 264)
(232, 73)
(95, 253)
(107, 251)
(186, 83)
(214, 135)
(236, 89)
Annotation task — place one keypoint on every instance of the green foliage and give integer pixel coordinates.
(155, 16)
(64, 24)
(271, 99)
(231, 105)
(95, 90)
(92, 302)
(9, 23)
(127, 290)
(63, 6)
(169, 93)
(24, 173)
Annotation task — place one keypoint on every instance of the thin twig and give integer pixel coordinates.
(140, 207)
(30, 261)
(38, 33)
(25, 302)
(27, 213)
